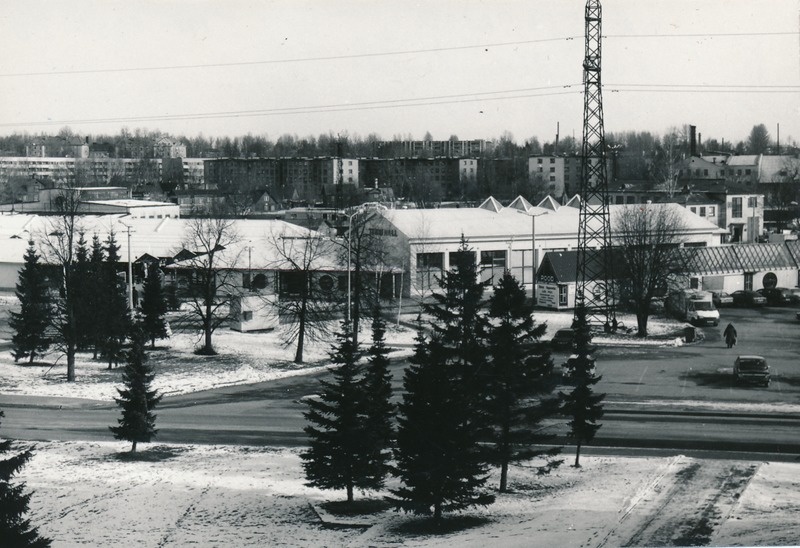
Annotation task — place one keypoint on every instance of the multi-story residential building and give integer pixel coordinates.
(58, 147)
(560, 175)
(287, 179)
(168, 148)
(432, 149)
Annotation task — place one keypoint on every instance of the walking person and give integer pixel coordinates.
(730, 335)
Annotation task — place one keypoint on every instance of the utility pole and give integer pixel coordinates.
(595, 282)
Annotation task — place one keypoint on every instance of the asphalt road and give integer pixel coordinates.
(645, 405)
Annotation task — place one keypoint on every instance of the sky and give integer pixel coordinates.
(476, 69)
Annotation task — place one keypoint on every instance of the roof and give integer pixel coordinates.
(738, 258)
(744, 160)
(155, 237)
(481, 223)
(128, 202)
(562, 266)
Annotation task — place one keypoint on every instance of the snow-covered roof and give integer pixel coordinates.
(481, 223)
(744, 160)
(156, 237)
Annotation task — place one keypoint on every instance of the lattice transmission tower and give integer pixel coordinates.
(595, 283)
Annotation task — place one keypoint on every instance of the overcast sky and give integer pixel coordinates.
(471, 68)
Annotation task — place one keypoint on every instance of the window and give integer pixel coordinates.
(247, 315)
(748, 281)
(702, 211)
(563, 295)
(552, 160)
(705, 173)
(429, 267)
(538, 160)
(738, 172)
(711, 211)
(552, 170)
(747, 172)
(736, 206)
(697, 172)
(752, 201)
(493, 264)
(552, 177)
(693, 209)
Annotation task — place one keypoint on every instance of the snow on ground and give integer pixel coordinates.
(242, 358)
(179, 495)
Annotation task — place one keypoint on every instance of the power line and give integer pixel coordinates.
(521, 93)
(284, 61)
(380, 54)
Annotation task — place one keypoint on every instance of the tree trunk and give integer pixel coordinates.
(133, 448)
(349, 493)
(578, 455)
(503, 476)
(70, 361)
(641, 323)
(437, 511)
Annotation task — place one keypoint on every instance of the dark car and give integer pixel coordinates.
(721, 298)
(751, 369)
(747, 297)
(563, 339)
(794, 295)
(776, 296)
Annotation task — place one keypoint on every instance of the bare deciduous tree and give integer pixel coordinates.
(303, 302)
(648, 236)
(57, 242)
(212, 243)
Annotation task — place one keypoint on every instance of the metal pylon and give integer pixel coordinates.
(595, 283)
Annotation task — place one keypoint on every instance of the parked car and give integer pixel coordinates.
(776, 296)
(751, 369)
(794, 295)
(721, 298)
(747, 297)
(563, 339)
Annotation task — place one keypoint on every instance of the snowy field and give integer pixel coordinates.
(94, 494)
(88, 494)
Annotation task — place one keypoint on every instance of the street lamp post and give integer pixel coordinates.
(130, 269)
(533, 251)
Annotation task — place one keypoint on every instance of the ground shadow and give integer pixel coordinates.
(156, 453)
(446, 525)
(364, 507)
(710, 379)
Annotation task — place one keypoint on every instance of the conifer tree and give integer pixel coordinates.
(15, 529)
(437, 456)
(442, 416)
(379, 410)
(582, 405)
(116, 318)
(137, 399)
(338, 450)
(96, 273)
(154, 306)
(85, 292)
(31, 322)
(519, 379)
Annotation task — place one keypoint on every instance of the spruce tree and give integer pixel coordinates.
(31, 322)
(154, 306)
(379, 410)
(96, 273)
(15, 529)
(85, 291)
(519, 380)
(338, 452)
(583, 407)
(116, 316)
(137, 399)
(442, 417)
(437, 457)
